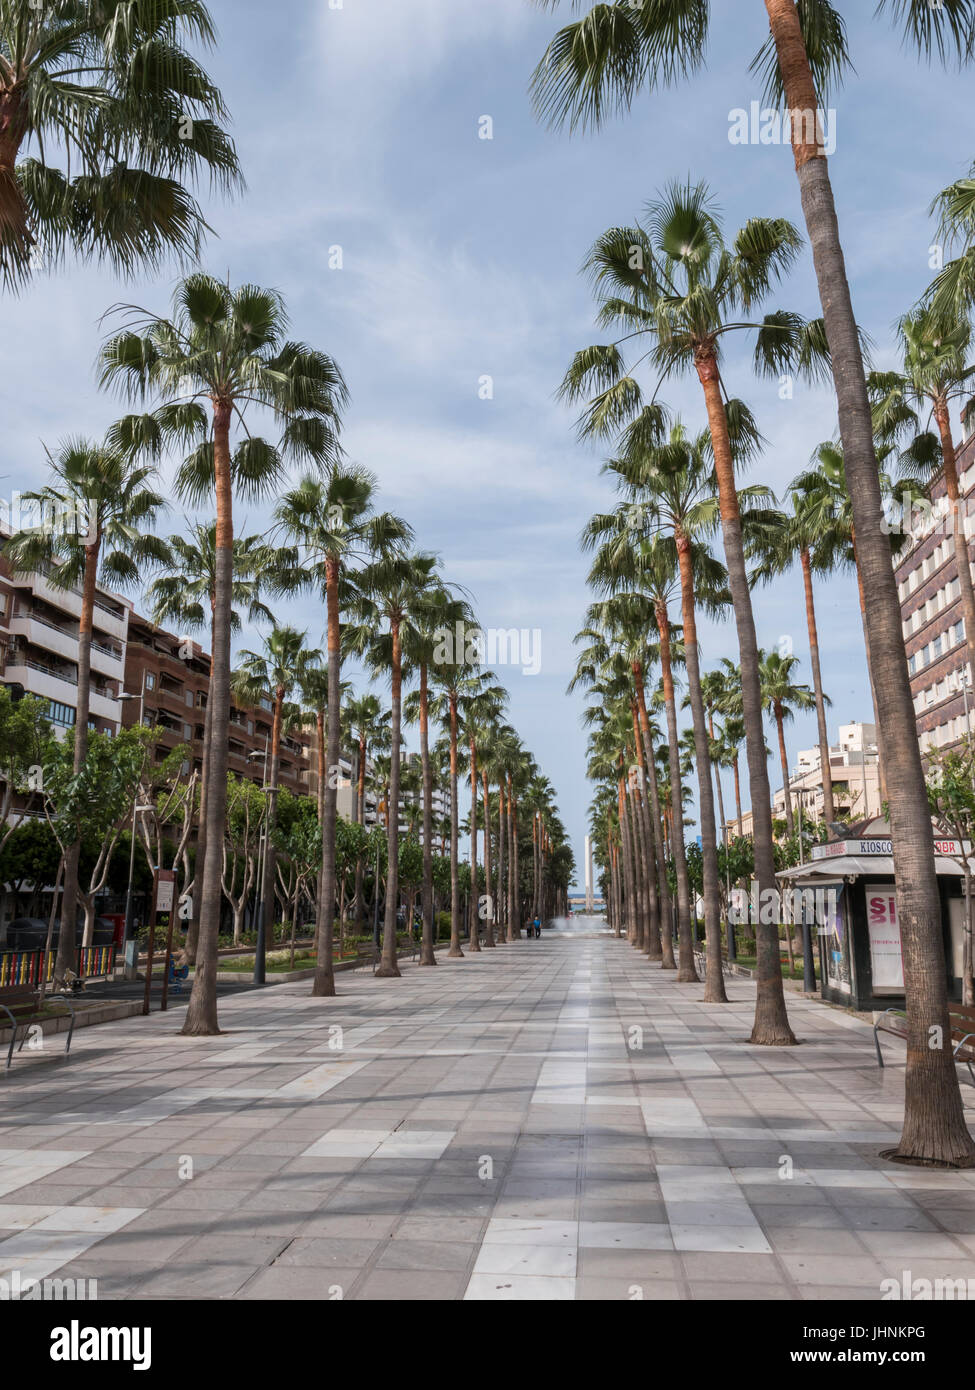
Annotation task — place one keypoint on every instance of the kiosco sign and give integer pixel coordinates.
(880, 847)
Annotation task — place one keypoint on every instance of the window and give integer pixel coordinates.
(958, 632)
(150, 681)
(61, 714)
(190, 699)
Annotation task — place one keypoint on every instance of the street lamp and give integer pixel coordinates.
(260, 953)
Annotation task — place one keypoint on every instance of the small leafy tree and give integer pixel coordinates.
(951, 797)
(92, 806)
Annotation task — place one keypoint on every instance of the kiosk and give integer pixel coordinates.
(849, 884)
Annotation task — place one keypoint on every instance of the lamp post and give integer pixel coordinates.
(260, 952)
(123, 698)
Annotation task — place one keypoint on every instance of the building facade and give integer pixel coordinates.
(172, 675)
(934, 629)
(39, 647)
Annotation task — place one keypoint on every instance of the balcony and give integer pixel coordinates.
(69, 601)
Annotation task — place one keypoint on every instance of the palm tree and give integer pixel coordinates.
(276, 671)
(365, 720)
(480, 705)
(782, 697)
(675, 284)
(93, 514)
(822, 499)
(183, 596)
(678, 481)
(630, 553)
(113, 90)
(936, 374)
(598, 65)
(223, 351)
(335, 529)
(393, 587)
(798, 534)
(451, 681)
(440, 613)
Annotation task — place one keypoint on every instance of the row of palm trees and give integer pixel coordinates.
(674, 289)
(386, 605)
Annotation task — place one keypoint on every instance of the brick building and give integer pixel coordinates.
(174, 673)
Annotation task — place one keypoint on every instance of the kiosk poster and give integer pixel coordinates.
(886, 961)
(833, 928)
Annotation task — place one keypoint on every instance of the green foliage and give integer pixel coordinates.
(31, 854)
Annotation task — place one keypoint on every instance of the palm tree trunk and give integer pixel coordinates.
(738, 812)
(475, 934)
(193, 934)
(501, 896)
(686, 972)
(201, 1013)
(723, 826)
(515, 924)
(629, 895)
(489, 940)
(771, 1026)
(323, 985)
(829, 813)
(455, 950)
(934, 1119)
(649, 936)
(388, 969)
(714, 990)
(663, 884)
(270, 858)
(427, 954)
(790, 821)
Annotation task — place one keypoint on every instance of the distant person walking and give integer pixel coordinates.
(537, 928)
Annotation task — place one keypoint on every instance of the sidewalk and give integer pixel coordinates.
(551, 1119)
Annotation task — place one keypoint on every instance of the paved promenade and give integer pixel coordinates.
(554, 1119)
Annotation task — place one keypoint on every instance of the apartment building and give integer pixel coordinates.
(854, 770)
(172, 674)
(934, 629)
(39, 647)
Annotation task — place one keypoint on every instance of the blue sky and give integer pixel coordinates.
(358, 127)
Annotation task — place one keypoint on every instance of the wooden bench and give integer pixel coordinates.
(21, 1004)
(962, 1016)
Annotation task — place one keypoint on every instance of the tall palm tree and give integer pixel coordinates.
(276, 672)
(335, 529)
(364, 718)
(112, 91)
(822, 499)
(796, 536)
(678, 481)
(630, 553)
(184, 596)
(439, 613)
(480, 706)
(598, 65)
(223, 351)
(94, 513)
(451, 680)
(393, 587)
(675, 286)
(782, 696)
